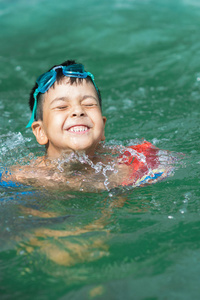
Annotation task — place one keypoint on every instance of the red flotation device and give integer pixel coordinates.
(144, 163)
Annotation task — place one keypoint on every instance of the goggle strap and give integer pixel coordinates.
(92, 77)
(34, 109)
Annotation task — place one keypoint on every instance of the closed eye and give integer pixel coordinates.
(90, 104)
(62, 107)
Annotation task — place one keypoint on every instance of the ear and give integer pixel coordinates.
(38, 131)
(104, 123)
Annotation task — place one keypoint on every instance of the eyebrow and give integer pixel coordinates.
(89, 96)
(67, 98)
(59, 99)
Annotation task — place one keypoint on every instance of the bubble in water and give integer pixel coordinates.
(18, 68)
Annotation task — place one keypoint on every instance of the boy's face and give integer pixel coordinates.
(72, 119)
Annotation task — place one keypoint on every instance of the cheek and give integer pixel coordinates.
(100, 125)
(97, 119)
(52, 120)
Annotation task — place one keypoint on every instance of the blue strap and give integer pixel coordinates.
(155, 176)
(9, 183)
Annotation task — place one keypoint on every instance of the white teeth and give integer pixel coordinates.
(78, 129)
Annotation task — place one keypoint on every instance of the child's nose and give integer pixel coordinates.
(77, 111)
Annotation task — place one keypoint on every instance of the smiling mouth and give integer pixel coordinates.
(78, 129)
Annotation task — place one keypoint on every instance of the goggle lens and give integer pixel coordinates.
(45, 81)
(73, 68)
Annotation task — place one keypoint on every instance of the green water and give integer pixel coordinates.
(137, 244)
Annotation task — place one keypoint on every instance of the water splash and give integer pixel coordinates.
(75, 160)
(14, 149)
(102, 170)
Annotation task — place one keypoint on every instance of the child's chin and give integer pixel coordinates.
(82, 149)
(82, 146)
(86, 150)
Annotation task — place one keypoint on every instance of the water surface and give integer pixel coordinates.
(109, 245)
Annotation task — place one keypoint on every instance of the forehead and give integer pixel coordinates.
(68, 88)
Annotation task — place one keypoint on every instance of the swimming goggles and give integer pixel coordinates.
(46, 80)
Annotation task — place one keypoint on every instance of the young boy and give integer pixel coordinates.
(67, 119)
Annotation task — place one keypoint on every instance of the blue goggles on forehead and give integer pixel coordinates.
(46, 80)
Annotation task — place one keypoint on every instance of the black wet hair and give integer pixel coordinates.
(59, 78)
